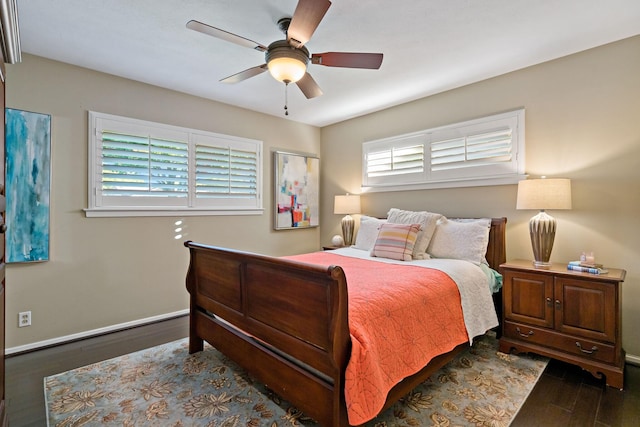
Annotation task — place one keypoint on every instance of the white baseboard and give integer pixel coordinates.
(632, 359)
(92, 333)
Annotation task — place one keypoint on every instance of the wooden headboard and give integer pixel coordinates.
(496, 249)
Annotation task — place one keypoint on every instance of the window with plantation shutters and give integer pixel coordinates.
(395, 160)
(486, 151)
(143, 168)
(225, 171)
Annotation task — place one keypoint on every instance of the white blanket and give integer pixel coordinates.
(478, 309)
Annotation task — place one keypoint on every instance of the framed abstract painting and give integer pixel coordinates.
(28, 185)
(297, 190)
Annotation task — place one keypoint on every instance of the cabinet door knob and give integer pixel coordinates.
(558, 303)
(549, 302)
(593, 349)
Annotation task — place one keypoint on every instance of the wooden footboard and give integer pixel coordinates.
(287, 323)
(279, 309)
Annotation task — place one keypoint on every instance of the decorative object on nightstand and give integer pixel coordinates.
(347, 205)
(543, 194)
(564, 314)
(587, 267)
(337, 240)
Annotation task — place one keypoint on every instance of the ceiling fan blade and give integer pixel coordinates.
(308, 86)
(224, 35)
(348, 59)
(305, 20)
(244, 75)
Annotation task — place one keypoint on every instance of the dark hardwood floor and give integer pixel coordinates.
(567, 396)
(564, 396)
(25, 372)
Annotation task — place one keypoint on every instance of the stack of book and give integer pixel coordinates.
(585, 267)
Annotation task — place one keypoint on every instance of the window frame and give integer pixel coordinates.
(473, 173)
(100, 205)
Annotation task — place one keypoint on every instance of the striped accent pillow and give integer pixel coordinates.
(396, 241)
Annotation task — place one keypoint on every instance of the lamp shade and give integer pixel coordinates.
(347, 204)
(544, 194)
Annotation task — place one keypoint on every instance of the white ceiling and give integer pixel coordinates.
(429, 46)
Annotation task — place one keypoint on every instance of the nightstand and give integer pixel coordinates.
(566, 315)
(331, 248)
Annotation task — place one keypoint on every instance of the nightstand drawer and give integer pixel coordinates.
(587, 348)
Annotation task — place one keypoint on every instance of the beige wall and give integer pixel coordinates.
(582, 122)
(108, 271)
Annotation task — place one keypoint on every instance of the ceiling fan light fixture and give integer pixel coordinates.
(288, 70)
(286, 63)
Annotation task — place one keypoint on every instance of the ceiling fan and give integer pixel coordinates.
(287, 60)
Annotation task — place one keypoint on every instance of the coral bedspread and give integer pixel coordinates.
(400, 317)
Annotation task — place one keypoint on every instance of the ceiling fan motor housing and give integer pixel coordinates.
(282, 51)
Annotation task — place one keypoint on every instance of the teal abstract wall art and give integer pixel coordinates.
(28, 185)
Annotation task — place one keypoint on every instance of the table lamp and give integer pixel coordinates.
(543, 194)
(347, 205)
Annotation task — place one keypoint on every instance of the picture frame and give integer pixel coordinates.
(297, 190)
(28, 185)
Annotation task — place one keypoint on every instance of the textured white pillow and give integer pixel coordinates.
(465, 240)
(368, 232)
(427, 221)
(485, 222)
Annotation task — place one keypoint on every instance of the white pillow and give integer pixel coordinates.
(427, 221)
(486, 222)
(368, 232)
(465, 240)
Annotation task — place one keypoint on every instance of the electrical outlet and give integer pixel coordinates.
(24, 319)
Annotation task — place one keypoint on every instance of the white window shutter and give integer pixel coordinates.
(139, 165)
(476, 152)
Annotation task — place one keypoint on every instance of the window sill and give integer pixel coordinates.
(506, 180)
(149, 212)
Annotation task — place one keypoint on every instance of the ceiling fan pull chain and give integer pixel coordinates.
(286, 110)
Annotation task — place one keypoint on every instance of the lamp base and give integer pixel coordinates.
(348, 224)
(542, 229)
(541, 265)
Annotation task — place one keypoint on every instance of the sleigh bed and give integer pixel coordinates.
(286, 321)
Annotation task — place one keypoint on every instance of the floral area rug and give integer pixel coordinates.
(165, 386)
